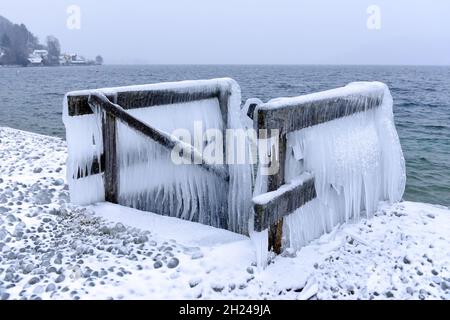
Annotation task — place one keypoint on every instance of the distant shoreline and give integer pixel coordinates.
(64, 66)
(235, 65)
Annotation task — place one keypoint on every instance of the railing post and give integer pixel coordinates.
(274, 182)
(111, 177)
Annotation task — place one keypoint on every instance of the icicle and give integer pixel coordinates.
(85, 141)
(261, 243)
(149, 180)
(241, 175)
(357, 161)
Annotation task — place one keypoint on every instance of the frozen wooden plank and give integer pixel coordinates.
(78, 105)
(160, 137)
(271, 207)
(292, 114)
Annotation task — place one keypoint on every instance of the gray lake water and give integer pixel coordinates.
(31, 99)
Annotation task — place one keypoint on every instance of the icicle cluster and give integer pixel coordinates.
(85, 143)
(241, 175)
(148, 179)
(357, 161)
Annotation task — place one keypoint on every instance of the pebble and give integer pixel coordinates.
(58, 182)
(51, 270)
(105, 230)
(34, 280)
(194, 282)
(436, 279)
(217, 287)
(11, 255)
(42, 198)
(28, 268)
(197, 255)
(10, 218)
(9, 276)
(37, 170)
(173, 263)
(119, 227)
(157, 265)
(60, 278)
(38, 290)
(141, 239)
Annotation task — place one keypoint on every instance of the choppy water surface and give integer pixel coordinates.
(31, 99)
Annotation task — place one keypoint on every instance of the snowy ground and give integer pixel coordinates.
(50, 249)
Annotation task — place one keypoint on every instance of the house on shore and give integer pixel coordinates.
(37, 57)
(65, 59)
(78, 60)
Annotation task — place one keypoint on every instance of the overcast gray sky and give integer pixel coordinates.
(244, 31)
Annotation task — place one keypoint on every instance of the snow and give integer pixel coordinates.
(368, 89)
(186, 232)
(267, 197)
(106, 251)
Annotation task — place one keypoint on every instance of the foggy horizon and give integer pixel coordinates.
(264, 32)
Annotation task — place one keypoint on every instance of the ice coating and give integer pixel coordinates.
(85, 141)
(241, 175)
(148, 179)
(357, 161)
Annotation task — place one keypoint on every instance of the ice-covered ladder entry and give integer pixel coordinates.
(120, 147)
(330, 169)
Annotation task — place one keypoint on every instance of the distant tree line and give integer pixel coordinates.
(54, 51)
(17, 43)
